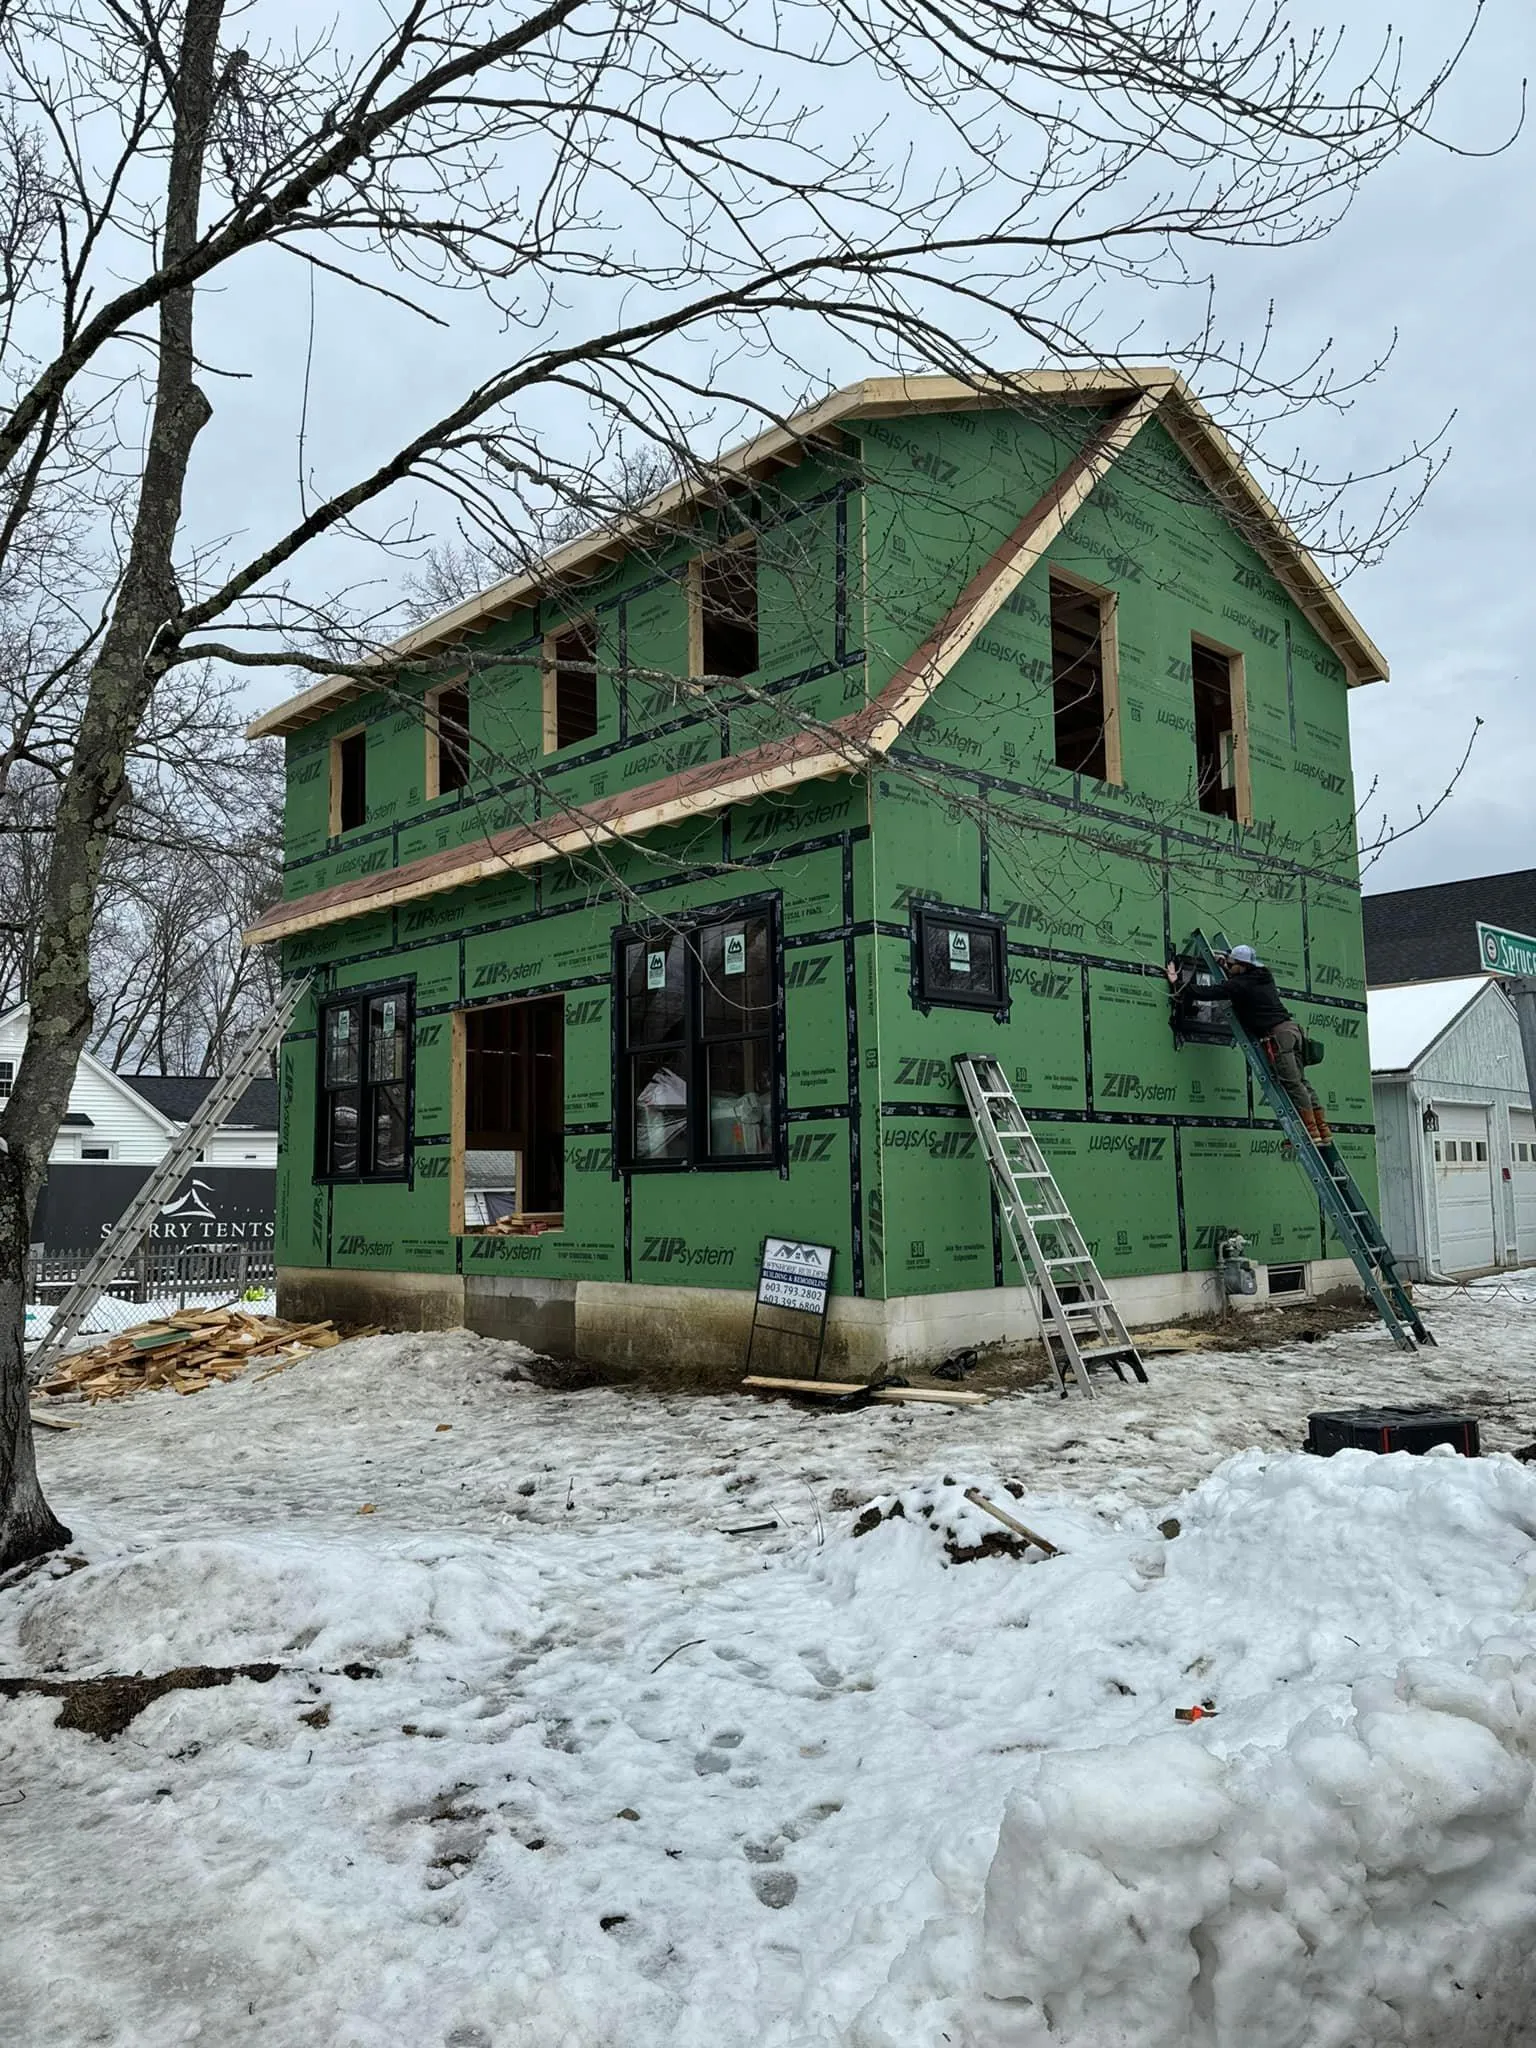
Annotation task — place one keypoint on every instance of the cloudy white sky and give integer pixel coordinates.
(1439, 249)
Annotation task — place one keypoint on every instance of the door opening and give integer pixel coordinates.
(513, 1131)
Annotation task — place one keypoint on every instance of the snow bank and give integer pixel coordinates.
(1315, 1867)
(1373, 1879)
(625, 1778)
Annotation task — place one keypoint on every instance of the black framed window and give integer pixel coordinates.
(959, 960)
(700, 1041)
(364, 1097)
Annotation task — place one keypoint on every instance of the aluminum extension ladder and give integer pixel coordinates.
(1082, 1328)
(1342, 1202)
(138, 1218)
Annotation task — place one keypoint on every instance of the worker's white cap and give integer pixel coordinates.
(1247, 955)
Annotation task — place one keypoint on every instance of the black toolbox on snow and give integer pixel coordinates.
(1389, 1429)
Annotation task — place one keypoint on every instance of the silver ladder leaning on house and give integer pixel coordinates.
(138, 1218)
(1082, 1328)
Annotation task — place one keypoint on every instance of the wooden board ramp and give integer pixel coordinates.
(842, 1390)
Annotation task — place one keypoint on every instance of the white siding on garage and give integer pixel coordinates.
(1463, 1188)
(1522, 1173)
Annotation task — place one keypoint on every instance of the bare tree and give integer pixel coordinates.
(671, 220)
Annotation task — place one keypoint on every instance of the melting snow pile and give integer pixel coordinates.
(1321, 1865)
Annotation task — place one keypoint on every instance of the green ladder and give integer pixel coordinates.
(1342, 1202)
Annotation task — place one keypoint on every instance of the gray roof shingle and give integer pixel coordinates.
(1428, 934)
(180, 1096)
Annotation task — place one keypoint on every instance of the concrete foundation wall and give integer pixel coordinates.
(707, 1327)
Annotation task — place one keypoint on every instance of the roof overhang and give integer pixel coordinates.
(1192, 427)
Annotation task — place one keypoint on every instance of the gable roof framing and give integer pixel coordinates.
(843, 746)
(1197, 435)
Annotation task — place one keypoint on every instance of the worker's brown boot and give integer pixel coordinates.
(1312, 1120)
(1324, 1129)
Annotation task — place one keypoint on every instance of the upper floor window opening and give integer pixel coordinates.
(447, 722)
(1084, 679)
(1221, 748)
(723, 635)
(570, 685)
(349, 781)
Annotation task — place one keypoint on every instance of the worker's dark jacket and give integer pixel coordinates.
(1255, 1001)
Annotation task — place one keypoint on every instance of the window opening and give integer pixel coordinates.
(726, 598)
(1078, 640)
(699, 1012)
(570, 705)
(7, 1078)
(95, 1151)
(1482, 1149)
(364, 1087)
(514, 1113)
(1215, 731)
(448, 738)
(959, 960)
(350, 782)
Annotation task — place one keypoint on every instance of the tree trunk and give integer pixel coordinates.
(28, 1528)
(122, 682)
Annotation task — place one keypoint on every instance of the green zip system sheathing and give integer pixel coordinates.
(1158, 1150)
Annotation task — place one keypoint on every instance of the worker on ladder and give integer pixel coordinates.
(1250, 989)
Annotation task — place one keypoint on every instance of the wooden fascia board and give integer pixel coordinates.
(987, 592)
(529, 845)
(1269, 533)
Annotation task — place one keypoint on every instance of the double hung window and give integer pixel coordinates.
(699, 1008)
(365, 1095)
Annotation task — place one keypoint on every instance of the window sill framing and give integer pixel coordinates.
(338, 740)
(550, 707)
(432, 729)
(695, 593)
(1109, 667)
(1242, 774)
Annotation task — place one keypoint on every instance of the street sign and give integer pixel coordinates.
(1503, 952)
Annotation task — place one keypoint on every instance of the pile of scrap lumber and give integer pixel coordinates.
(186, 1352)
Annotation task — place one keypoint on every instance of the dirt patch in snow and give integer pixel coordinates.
(106, 1706)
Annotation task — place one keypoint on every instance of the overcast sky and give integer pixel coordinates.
(1439, 248)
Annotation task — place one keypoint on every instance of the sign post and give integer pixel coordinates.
(1513, 956)
(794, 1279)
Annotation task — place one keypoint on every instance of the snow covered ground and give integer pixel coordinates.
(622, 1778)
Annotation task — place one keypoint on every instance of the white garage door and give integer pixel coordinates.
(1522, 1132)
(1463, 1188)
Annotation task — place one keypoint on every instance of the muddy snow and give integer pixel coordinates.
(596, 1723)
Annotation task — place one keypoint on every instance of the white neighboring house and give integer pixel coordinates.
(1455, 1134)
(119, 1126)
(132, 1119)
